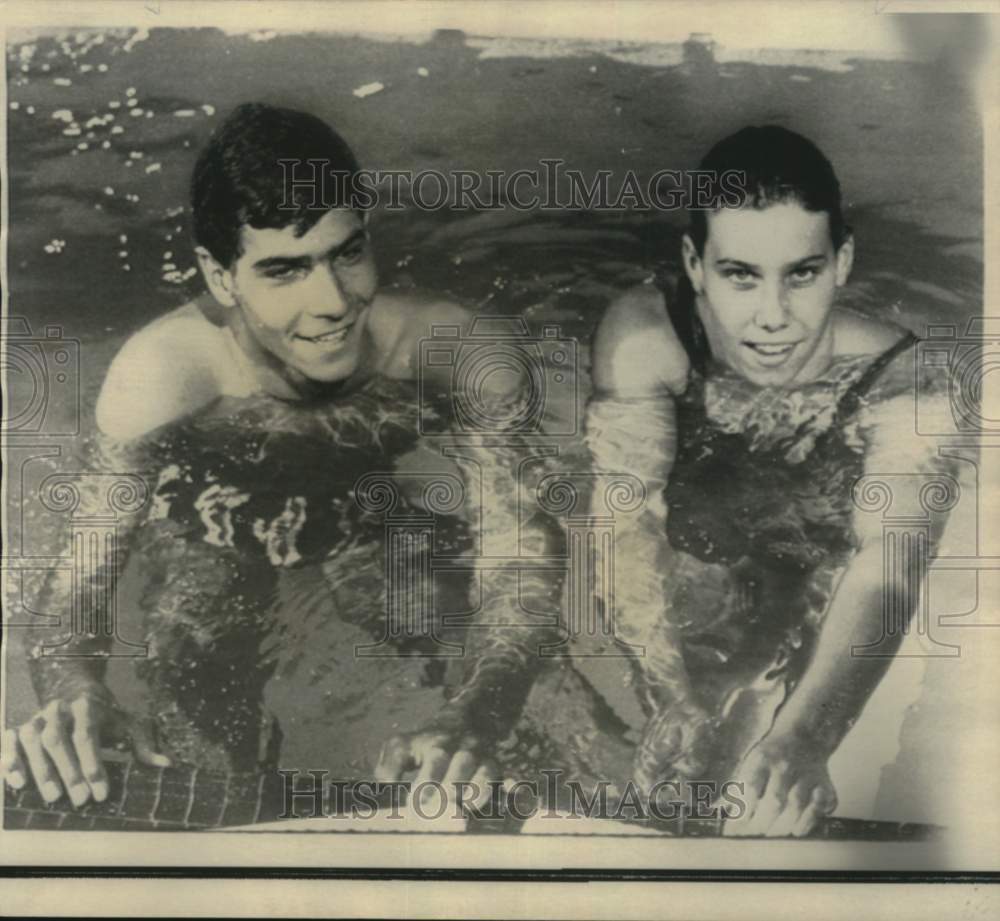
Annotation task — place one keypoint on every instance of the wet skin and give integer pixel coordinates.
(765, 288)
(299, 305)
(305, 313)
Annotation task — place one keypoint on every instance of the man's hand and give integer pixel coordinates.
(786, 788)
(61, 745)
(446, 756)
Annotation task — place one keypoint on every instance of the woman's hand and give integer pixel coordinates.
(676, 745)
(786, 788)
(61, 744)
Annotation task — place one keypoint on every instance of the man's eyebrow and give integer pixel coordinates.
(294, 262)
(335, 251)
(271, 262)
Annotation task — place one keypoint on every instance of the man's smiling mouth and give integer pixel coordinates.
(331, 338)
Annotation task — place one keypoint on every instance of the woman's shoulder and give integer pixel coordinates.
(855, 334)
(635, 348)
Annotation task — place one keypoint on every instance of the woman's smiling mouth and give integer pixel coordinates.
(771, 353)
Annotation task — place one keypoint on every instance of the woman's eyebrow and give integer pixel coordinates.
(737, 263)
(806, 261)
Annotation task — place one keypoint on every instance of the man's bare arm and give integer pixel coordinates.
(501, 658)
(162, 374)
(59, 746)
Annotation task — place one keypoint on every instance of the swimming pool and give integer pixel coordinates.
(103, 128)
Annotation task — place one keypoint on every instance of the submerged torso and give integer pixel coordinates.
(760, 517)
(262, 577)
(760, 524)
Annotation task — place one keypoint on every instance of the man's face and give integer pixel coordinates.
(767, 281)
(303, 300)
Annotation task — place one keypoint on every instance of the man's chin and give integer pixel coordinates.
(329, 373)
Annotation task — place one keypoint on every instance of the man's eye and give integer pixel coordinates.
(286, 273)
(352, 255)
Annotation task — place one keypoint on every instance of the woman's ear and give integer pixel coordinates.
(692, 265)
(845, 260)
(219, 280)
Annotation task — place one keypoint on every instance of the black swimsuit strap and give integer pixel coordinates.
(690, 331)
(687, 324)
(851, 400)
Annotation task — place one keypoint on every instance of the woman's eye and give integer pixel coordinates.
(803, 276)
(740, 276)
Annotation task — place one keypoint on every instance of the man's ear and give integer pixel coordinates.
(692, 264)
(845, 260)
(219, 280)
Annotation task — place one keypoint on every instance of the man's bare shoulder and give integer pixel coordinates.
(399, 320)
(855, 334)
(163, 372)
(636, 351)
(395, 312)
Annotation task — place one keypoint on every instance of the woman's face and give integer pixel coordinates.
(765, 288)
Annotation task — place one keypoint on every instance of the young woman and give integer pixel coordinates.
(750, 405)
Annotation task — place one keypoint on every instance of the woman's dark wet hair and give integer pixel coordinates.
(777, 165)
(238, 178)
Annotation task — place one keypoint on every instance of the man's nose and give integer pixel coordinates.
(772, 311)
(327, 297)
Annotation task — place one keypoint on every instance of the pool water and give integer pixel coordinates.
(98, 168)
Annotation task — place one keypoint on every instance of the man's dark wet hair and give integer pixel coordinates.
(238, 178)
(778, 166)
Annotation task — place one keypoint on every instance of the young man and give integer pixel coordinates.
(293, 316)
(751, 405)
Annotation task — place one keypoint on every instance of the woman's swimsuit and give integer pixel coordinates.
(760, 526)
(760, 508)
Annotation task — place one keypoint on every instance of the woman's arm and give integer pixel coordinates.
(639, 367)
(787, 784)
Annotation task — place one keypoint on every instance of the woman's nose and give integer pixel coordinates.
(772, 312)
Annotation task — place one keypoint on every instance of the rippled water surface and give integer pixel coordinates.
(103, 128)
